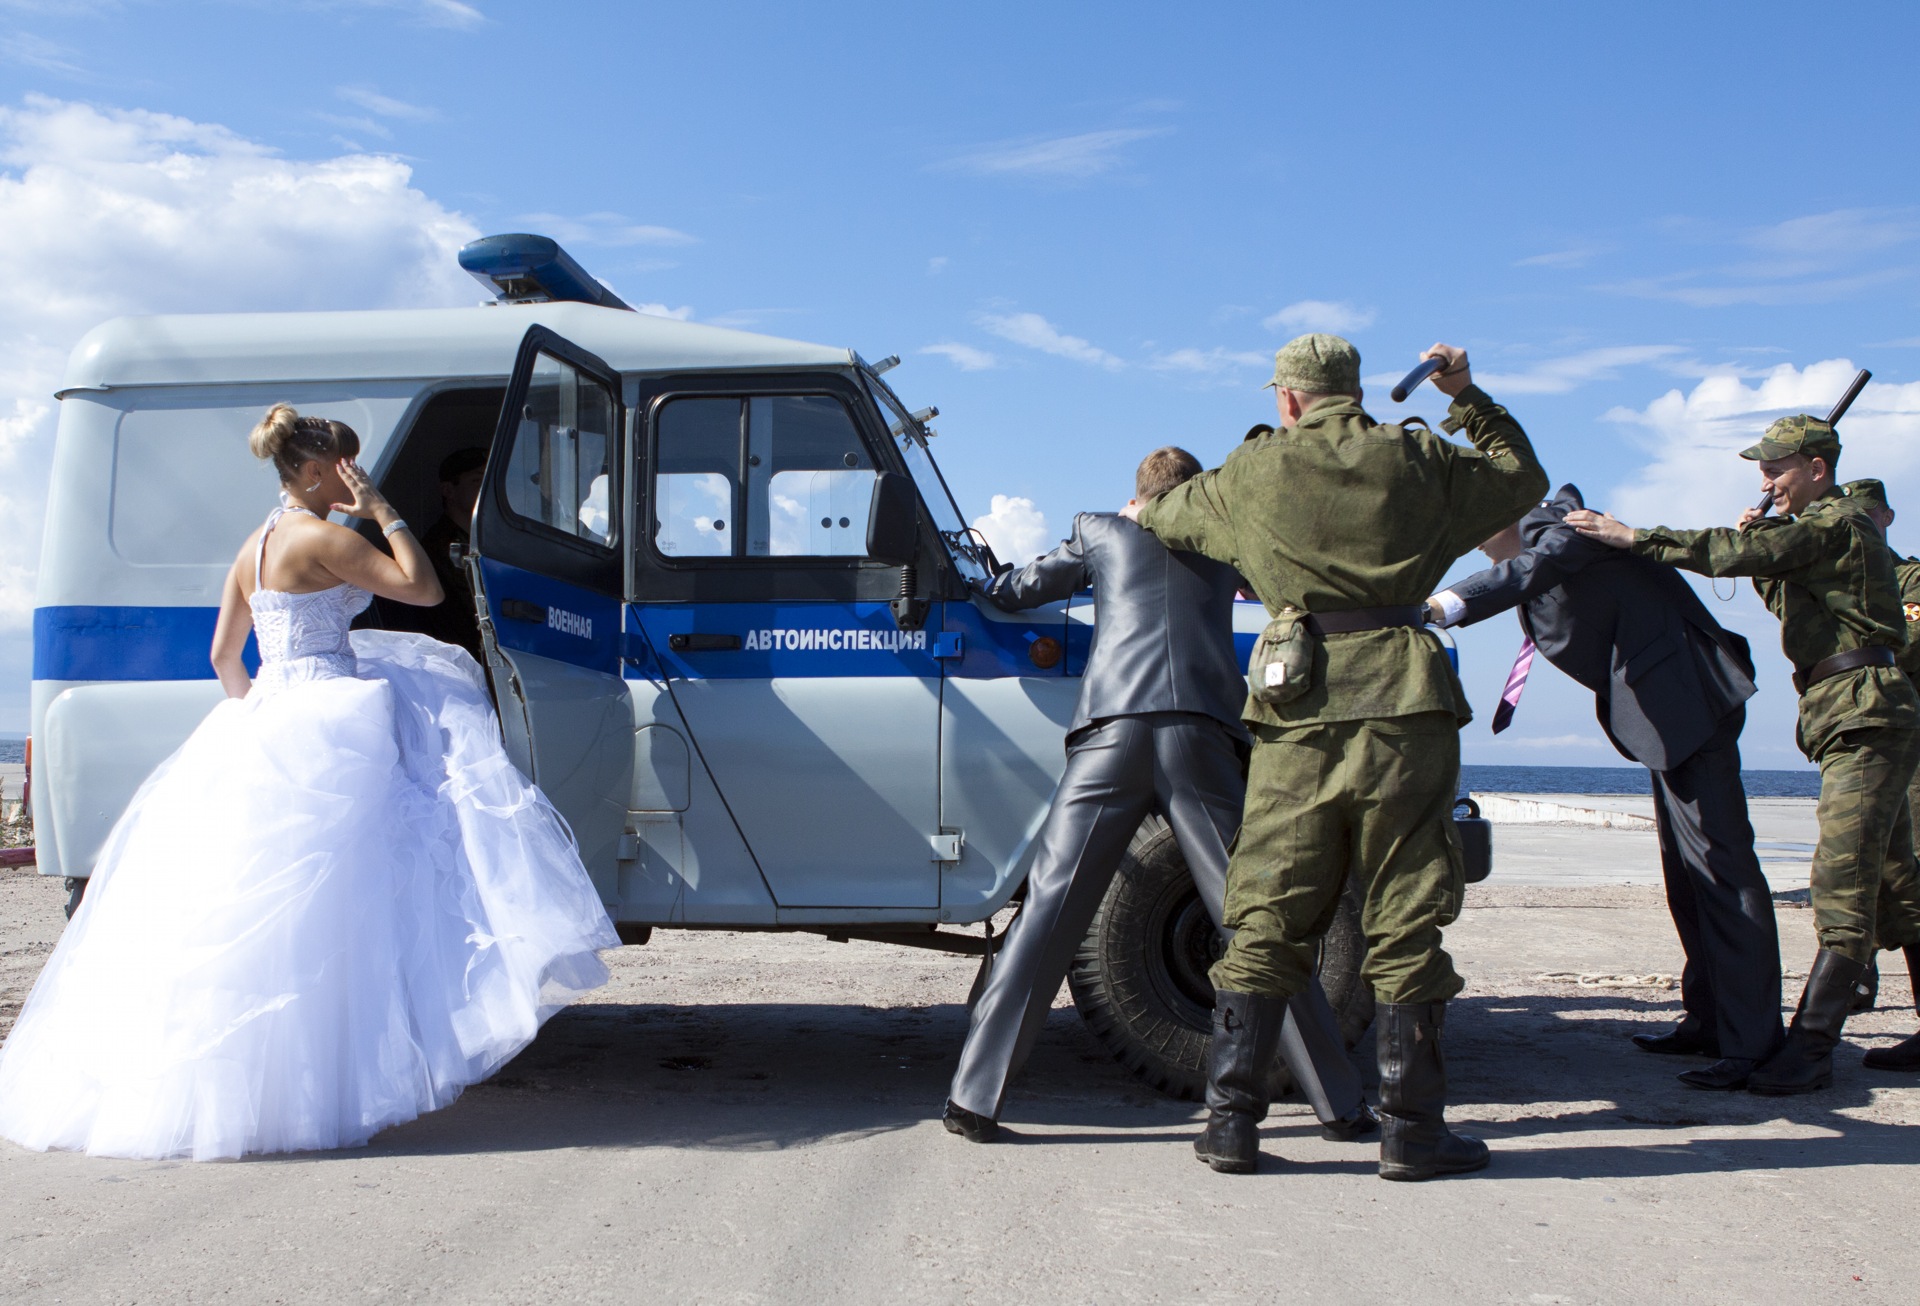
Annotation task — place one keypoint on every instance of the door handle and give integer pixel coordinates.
(521, 610)
(697, 643)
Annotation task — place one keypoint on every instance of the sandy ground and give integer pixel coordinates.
(754, 1118)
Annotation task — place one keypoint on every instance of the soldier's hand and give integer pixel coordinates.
(1132, 511)
(1748, 517)
(1601, 526)
(1457, 376)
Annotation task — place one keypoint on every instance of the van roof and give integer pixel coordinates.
(231, 348)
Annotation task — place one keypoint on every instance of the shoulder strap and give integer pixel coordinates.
(260, 551)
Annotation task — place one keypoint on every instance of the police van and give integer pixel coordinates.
(723, 596)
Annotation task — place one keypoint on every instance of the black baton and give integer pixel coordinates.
(1834, 415)
(1411, 381)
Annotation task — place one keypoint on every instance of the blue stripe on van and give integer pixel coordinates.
(127, 643)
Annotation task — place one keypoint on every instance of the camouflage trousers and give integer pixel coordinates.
(1370, 799)
(1896, 917)
(1864, 889)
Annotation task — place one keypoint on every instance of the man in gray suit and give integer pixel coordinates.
(1157, 728)
(1670, 687)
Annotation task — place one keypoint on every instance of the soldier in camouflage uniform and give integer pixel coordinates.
(1342, 526)
(1900, 883)
(1823, 567)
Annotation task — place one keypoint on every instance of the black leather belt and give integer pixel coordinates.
(1346, 623)
(1879, 655)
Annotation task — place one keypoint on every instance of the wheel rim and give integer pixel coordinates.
(1185, 946)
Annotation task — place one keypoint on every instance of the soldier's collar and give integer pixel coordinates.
(1332, 406)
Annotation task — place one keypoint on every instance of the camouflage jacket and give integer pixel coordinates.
(1828, 575)
(1908, 571)
(1341, 512)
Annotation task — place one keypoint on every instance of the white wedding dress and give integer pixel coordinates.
(336, 906)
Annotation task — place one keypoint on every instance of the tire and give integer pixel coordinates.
(1140, 980)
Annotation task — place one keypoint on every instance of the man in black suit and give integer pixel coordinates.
(1670, 687)
(1157, 728)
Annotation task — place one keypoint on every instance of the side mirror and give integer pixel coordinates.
(893, 520)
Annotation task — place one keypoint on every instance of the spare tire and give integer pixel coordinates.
(1140, 980)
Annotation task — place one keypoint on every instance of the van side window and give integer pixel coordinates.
(760, 476)
(557, 472)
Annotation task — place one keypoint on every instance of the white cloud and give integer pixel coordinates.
(1210, 361)
(1035, 332)
(1815, 258)
(1560, 258)
(1695, 476)
(937, 264)
(682, 314)
(449, 13)
(111, 212)
(1555, 376)
(1015, 528)
(385, 105)
(30, 51)
(1320, 315)
(611, 229)
(964, 357)
(1073, 158)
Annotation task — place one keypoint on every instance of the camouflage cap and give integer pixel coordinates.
(1870, 492)
(1800, 434)
(1317, 363)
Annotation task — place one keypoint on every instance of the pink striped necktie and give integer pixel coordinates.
(1516, 682)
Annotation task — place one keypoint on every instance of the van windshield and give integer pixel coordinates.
(969, 549)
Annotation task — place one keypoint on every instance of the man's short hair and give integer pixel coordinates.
(1163, 469)
(460, 462)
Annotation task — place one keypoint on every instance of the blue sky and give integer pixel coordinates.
(1085, 227)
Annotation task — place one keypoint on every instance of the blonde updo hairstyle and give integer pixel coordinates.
(290, 441)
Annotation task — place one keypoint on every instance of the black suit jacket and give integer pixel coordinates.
(1163, 640)
(1664, 673)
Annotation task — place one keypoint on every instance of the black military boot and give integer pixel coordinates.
(1415, 1142)
(1246, 1030)
(1869, 992)
(1904, 1055)
(1804, 1063)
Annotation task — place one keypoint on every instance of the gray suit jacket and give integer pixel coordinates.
(1163, 641)
(1664, 673)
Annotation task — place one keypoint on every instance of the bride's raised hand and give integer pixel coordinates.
(367, 501)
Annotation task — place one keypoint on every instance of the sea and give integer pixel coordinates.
(1619, 780)
(1489, 779)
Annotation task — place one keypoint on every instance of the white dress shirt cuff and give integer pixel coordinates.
(1452, 607)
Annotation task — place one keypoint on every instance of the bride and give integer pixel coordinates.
(338, 904)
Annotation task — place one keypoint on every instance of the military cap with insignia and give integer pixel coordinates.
(1870, 492)
(1802, 434)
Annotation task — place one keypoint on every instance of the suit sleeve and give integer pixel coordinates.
(1495, 483)
(1506, 585)
(1046, 579)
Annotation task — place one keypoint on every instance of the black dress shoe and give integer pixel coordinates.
(1904, 1055)
(970, 1125)
(1679, 1042)
(1723, 1076)
(1346, 1129)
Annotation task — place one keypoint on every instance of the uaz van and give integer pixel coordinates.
(724, 603)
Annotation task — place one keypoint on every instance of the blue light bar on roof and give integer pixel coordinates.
(525, 269)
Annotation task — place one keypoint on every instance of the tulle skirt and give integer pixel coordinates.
(336, 906)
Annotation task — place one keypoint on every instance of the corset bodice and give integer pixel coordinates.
(303, 636)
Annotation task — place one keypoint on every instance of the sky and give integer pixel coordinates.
(1084, 228)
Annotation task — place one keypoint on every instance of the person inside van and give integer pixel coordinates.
(452, 620)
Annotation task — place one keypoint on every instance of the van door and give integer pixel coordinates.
(817, 717)
(548, 540)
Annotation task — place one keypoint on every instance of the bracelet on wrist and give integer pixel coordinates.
(394, 527)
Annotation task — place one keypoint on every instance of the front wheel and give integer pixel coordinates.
(1140, 980)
